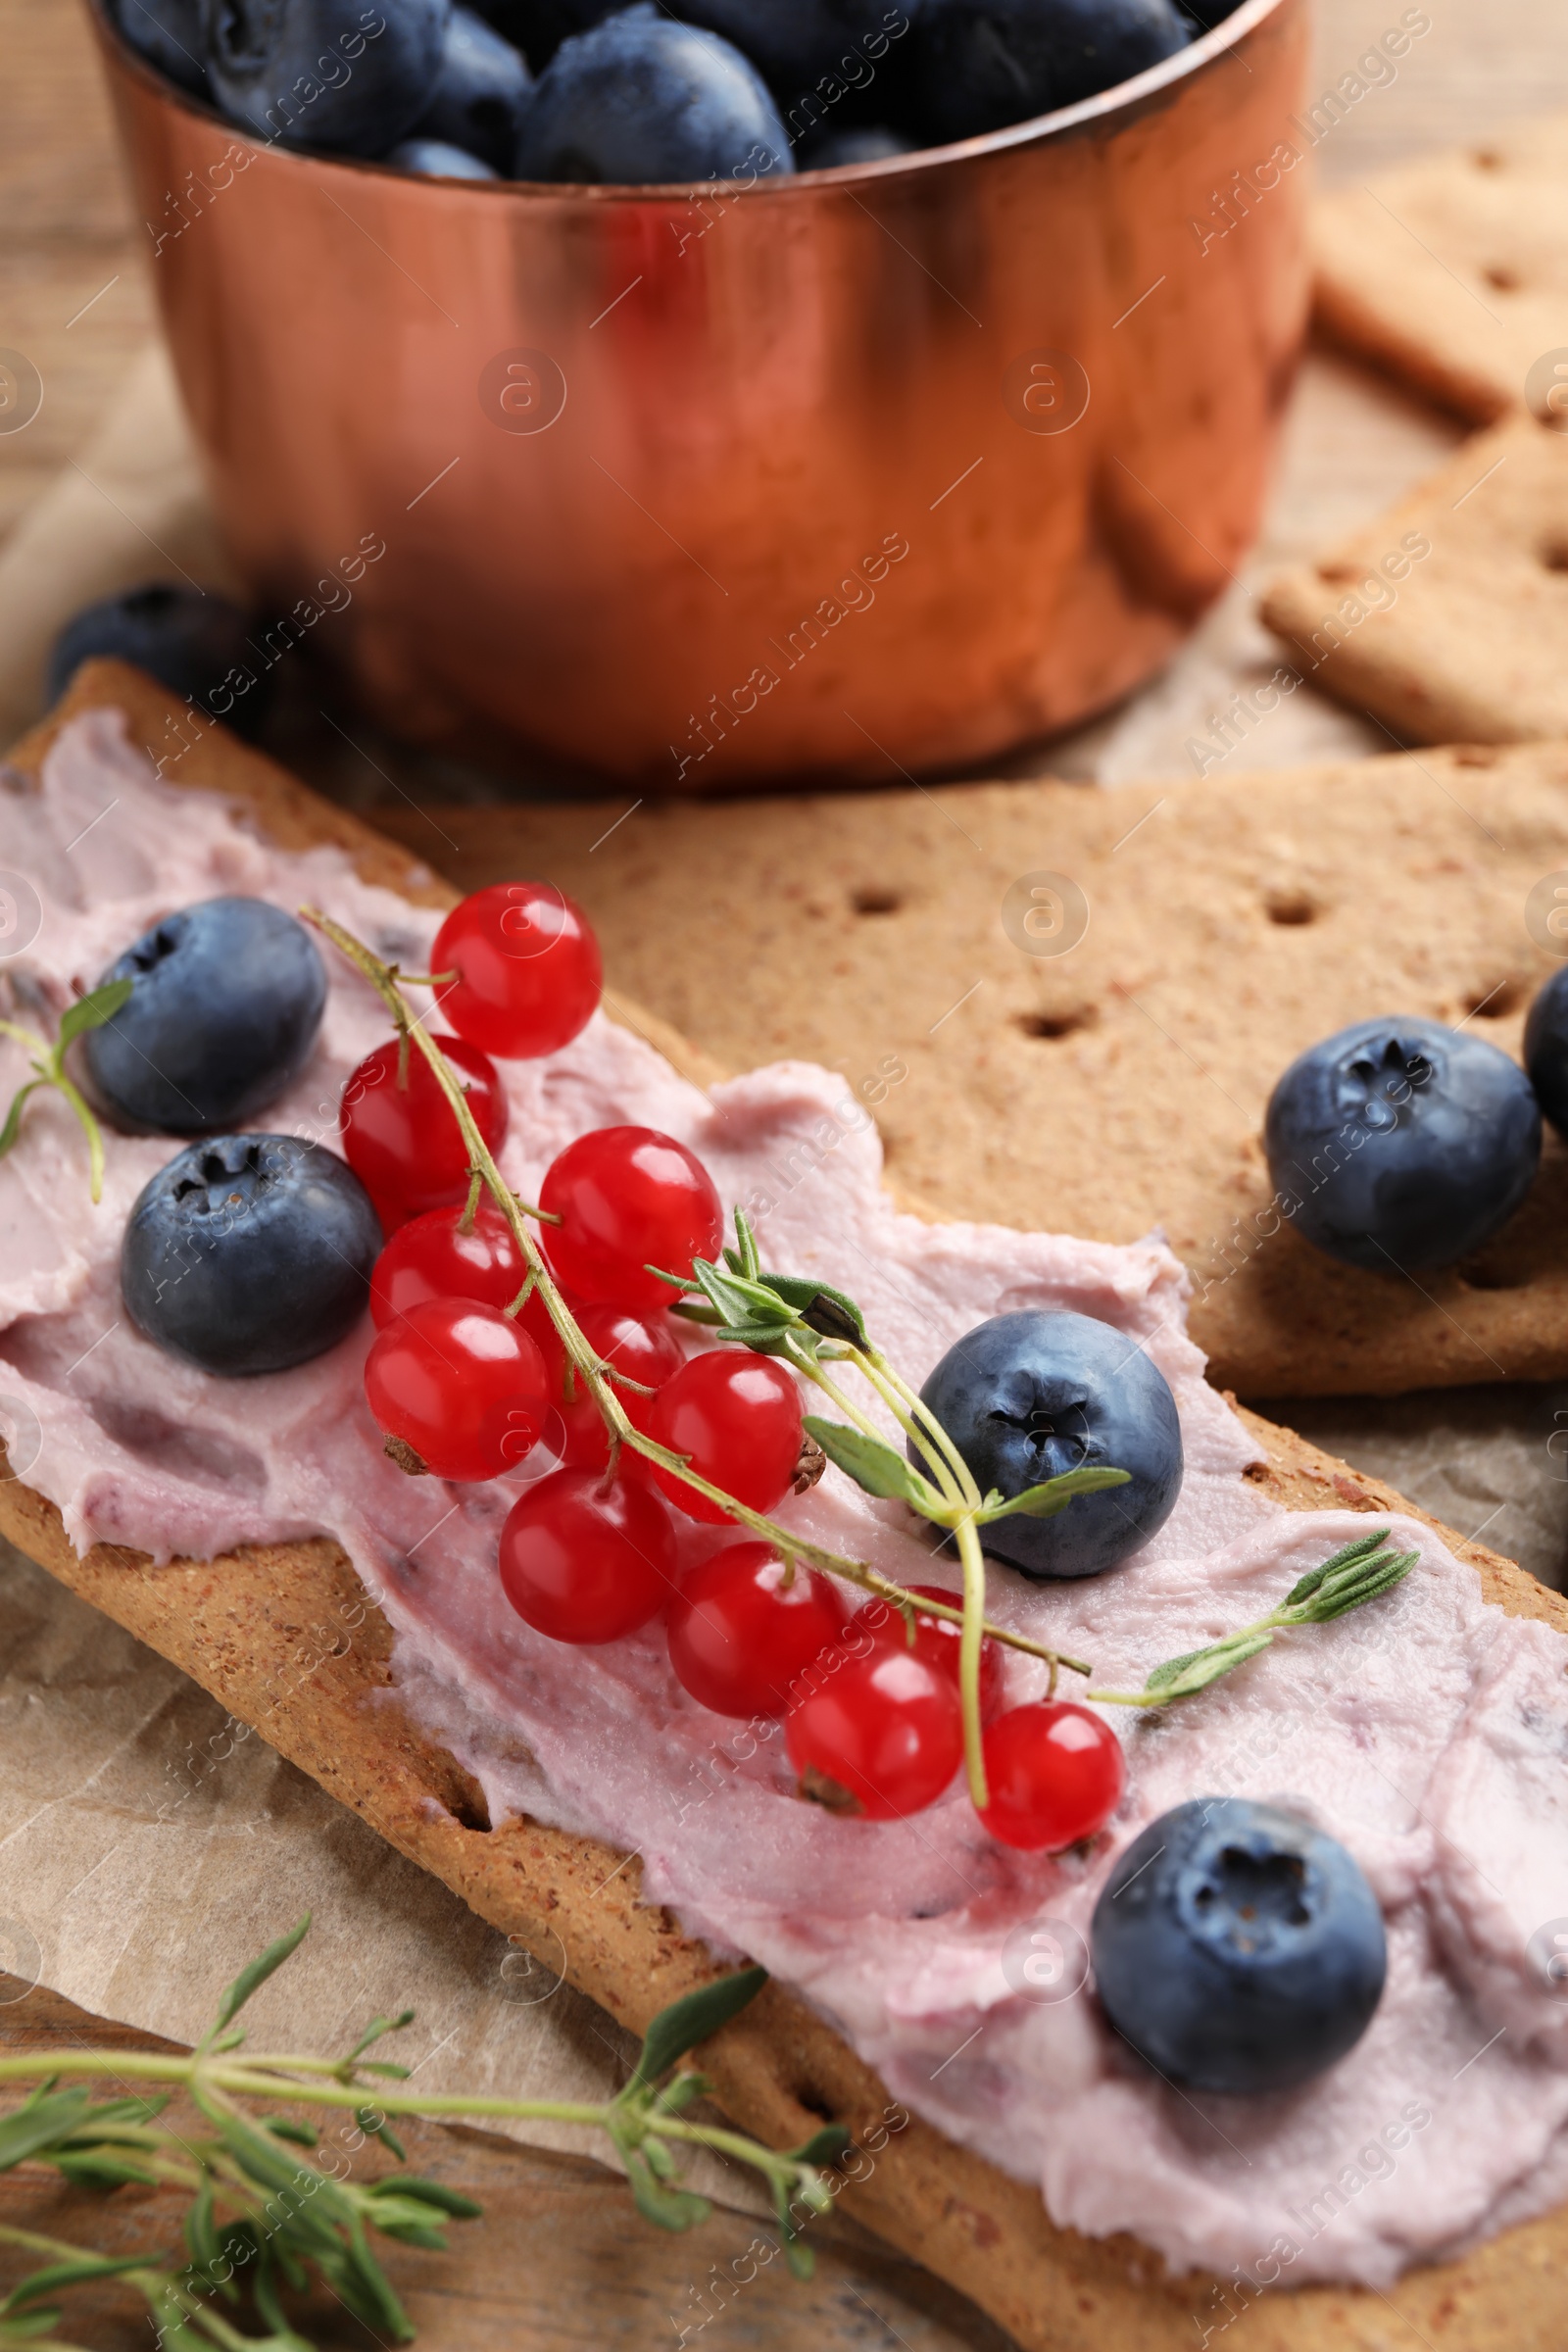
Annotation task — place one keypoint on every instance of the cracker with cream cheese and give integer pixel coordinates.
(363, 1728)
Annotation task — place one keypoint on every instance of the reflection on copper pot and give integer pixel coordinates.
(878, 469)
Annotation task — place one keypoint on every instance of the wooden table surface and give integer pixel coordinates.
(563, 2260)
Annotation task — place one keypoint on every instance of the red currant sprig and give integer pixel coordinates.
(871, 1729)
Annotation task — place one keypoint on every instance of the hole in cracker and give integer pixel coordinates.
(1291, 908)
(1498, 997)
(1338, 575)
(1499, 275)
(463, 1798)
(1554, 554)
(1064, 1023)
(1484, 1274)
(808, 2096)
(875, 900)
(1485, 158)
(1475, 755)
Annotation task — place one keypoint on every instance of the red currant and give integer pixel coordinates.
(740, 1636)
(462, 1385)
(936, 1640)
(433, 1257)
(403, 1141)
(586, 1562)
(628, 1197)
(1055, 1772)
(527, 965)
(881, 1736)
(738, 1417)
(644, 1352)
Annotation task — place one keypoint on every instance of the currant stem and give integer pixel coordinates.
(969, 1640)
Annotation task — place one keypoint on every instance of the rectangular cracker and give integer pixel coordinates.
(1448, 618)
(1119, 1086)
(234, 1625)
(1452, 271)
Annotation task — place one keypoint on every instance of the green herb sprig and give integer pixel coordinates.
(48, 1061)
(1360, 1572)
(265, 2214)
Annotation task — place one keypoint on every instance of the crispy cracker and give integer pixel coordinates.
(1119, 1086)
(233, 1624)
(1448, 618)
(1452, 271)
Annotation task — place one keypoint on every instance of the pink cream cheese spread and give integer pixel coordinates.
(1429, 1733)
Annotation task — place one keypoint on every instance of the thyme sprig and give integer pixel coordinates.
(1360, 1572)
(48, 1062)
(265, 2212)
(817, 1329)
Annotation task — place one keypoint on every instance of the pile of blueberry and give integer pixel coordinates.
(1402, 1146)
(594, 91)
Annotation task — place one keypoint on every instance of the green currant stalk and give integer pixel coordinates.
(591, 1369)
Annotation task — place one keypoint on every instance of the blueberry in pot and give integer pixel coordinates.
(434, 159)
(1027, 1397)
(1547, 1048)
(479, 96)
(1238, 1949)
(315, 73)
(169, 36)
(1402, 1144)
(249, 1253)
(189, 641)
(641, 98)
(224, 1003)
(987, 62)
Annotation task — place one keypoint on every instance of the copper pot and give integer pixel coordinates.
(876, 470)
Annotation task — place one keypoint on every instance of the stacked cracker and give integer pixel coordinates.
(1447, 618)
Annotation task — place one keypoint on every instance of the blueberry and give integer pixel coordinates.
(872, 144)
(1028, 1396)
(169, 36)
(642, 99)
(1400, 1143)
(186, 640)
(479, 96)
(1238, 1949)
(1547, 1048)
(224, 1004)
(249, 1253)
(987, 62)
(435, 160)
(315, 74)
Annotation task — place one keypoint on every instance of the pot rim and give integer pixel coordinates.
(1125, 100)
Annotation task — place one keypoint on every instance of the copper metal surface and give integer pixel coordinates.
(696, 488)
